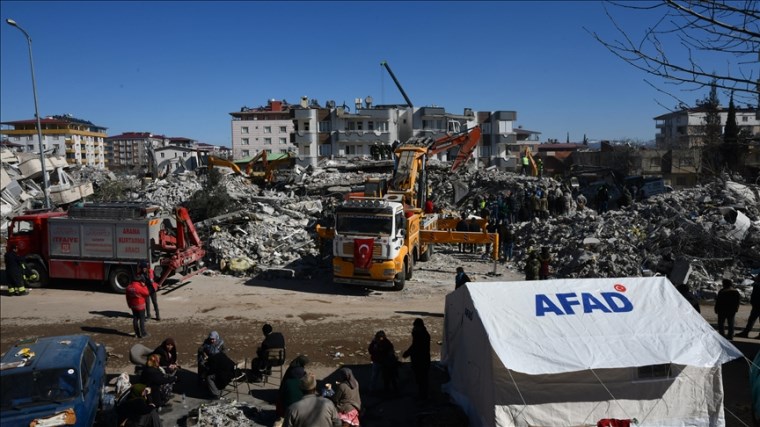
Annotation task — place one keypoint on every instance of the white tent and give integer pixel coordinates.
(574, 351)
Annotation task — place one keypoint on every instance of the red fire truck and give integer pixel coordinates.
(105, 242)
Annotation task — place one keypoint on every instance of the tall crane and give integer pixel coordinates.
(398, 85)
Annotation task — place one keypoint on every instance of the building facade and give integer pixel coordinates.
(267, 128)
(132, 149)
(82, 142)
(685, 128)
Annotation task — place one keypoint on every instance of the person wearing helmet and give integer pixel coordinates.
(145, 275)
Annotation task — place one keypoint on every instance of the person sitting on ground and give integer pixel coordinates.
(159, 381)
(212, 345)
(347, 398)
(261, 364)
(167, 351)
(311, 410)
(290, 388)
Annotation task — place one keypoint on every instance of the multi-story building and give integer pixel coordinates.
(131, 149)
(333, 131)
(82, 142)
(267, 128)
(685, 128)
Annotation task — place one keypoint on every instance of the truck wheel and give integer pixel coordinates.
(35, 269)
(428, 254)
(400, 280)
(119, 279)
(409, 268)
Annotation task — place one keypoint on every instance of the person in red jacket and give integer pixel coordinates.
(137, 292)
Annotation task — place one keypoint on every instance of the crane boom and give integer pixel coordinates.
(398, 85)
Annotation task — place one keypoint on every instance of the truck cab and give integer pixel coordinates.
(29, 233)
(385, 224)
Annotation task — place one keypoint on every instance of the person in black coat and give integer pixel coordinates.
(136, 409)
(461, 278)
(14, 270)
(261, 361)
(167, 351)
(462, 226)
(419, 352)
(726, 305)
(754, 300)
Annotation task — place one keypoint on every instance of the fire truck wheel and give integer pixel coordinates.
(400, 280)
(119, 279)
(34, 268)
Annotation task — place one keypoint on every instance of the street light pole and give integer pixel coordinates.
(45, 187)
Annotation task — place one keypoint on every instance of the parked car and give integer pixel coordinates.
(60, 377)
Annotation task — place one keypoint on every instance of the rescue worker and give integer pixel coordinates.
(544, 258)
(145, 275)
(532, 266)
(525, 163)
(14, 268)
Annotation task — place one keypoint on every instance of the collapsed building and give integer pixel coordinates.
(695, 236)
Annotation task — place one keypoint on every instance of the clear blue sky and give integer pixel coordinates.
(179, 68)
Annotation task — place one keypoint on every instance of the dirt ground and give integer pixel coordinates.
(331, 324)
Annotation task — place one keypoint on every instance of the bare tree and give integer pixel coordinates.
(703, 30)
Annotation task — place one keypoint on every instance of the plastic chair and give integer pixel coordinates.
(240, 377)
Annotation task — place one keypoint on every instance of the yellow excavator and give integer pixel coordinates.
(260, 169)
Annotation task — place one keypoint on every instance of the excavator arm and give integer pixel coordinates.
(216, 161)
(468, 140)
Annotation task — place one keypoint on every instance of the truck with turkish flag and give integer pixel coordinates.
(376, 241)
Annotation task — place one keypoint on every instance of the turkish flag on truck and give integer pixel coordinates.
(363, 253)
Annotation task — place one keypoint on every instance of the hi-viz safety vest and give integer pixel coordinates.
(525, 160)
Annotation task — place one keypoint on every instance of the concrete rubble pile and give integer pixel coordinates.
(695, 236)
(228, 414)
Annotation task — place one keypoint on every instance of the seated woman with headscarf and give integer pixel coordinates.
(212, 345)
(290, 386)
(167, 352)
(159, 381)
(347, 398)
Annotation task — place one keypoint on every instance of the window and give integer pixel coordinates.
(268, 150)
(306, 126)
(283, 129)
(324, 126)
(685, 161)
(654, 163)
(88, 362)
(424, 124)
(745, 118)
(163, 155)
(244, 129)
(246, 153)
(382, 126)
(283, 140)
(370, 125)
(268, 141)
(359, 125)
(29, 138)
(653, 372)
(267, 129)
(283, 150)
(245, 141)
